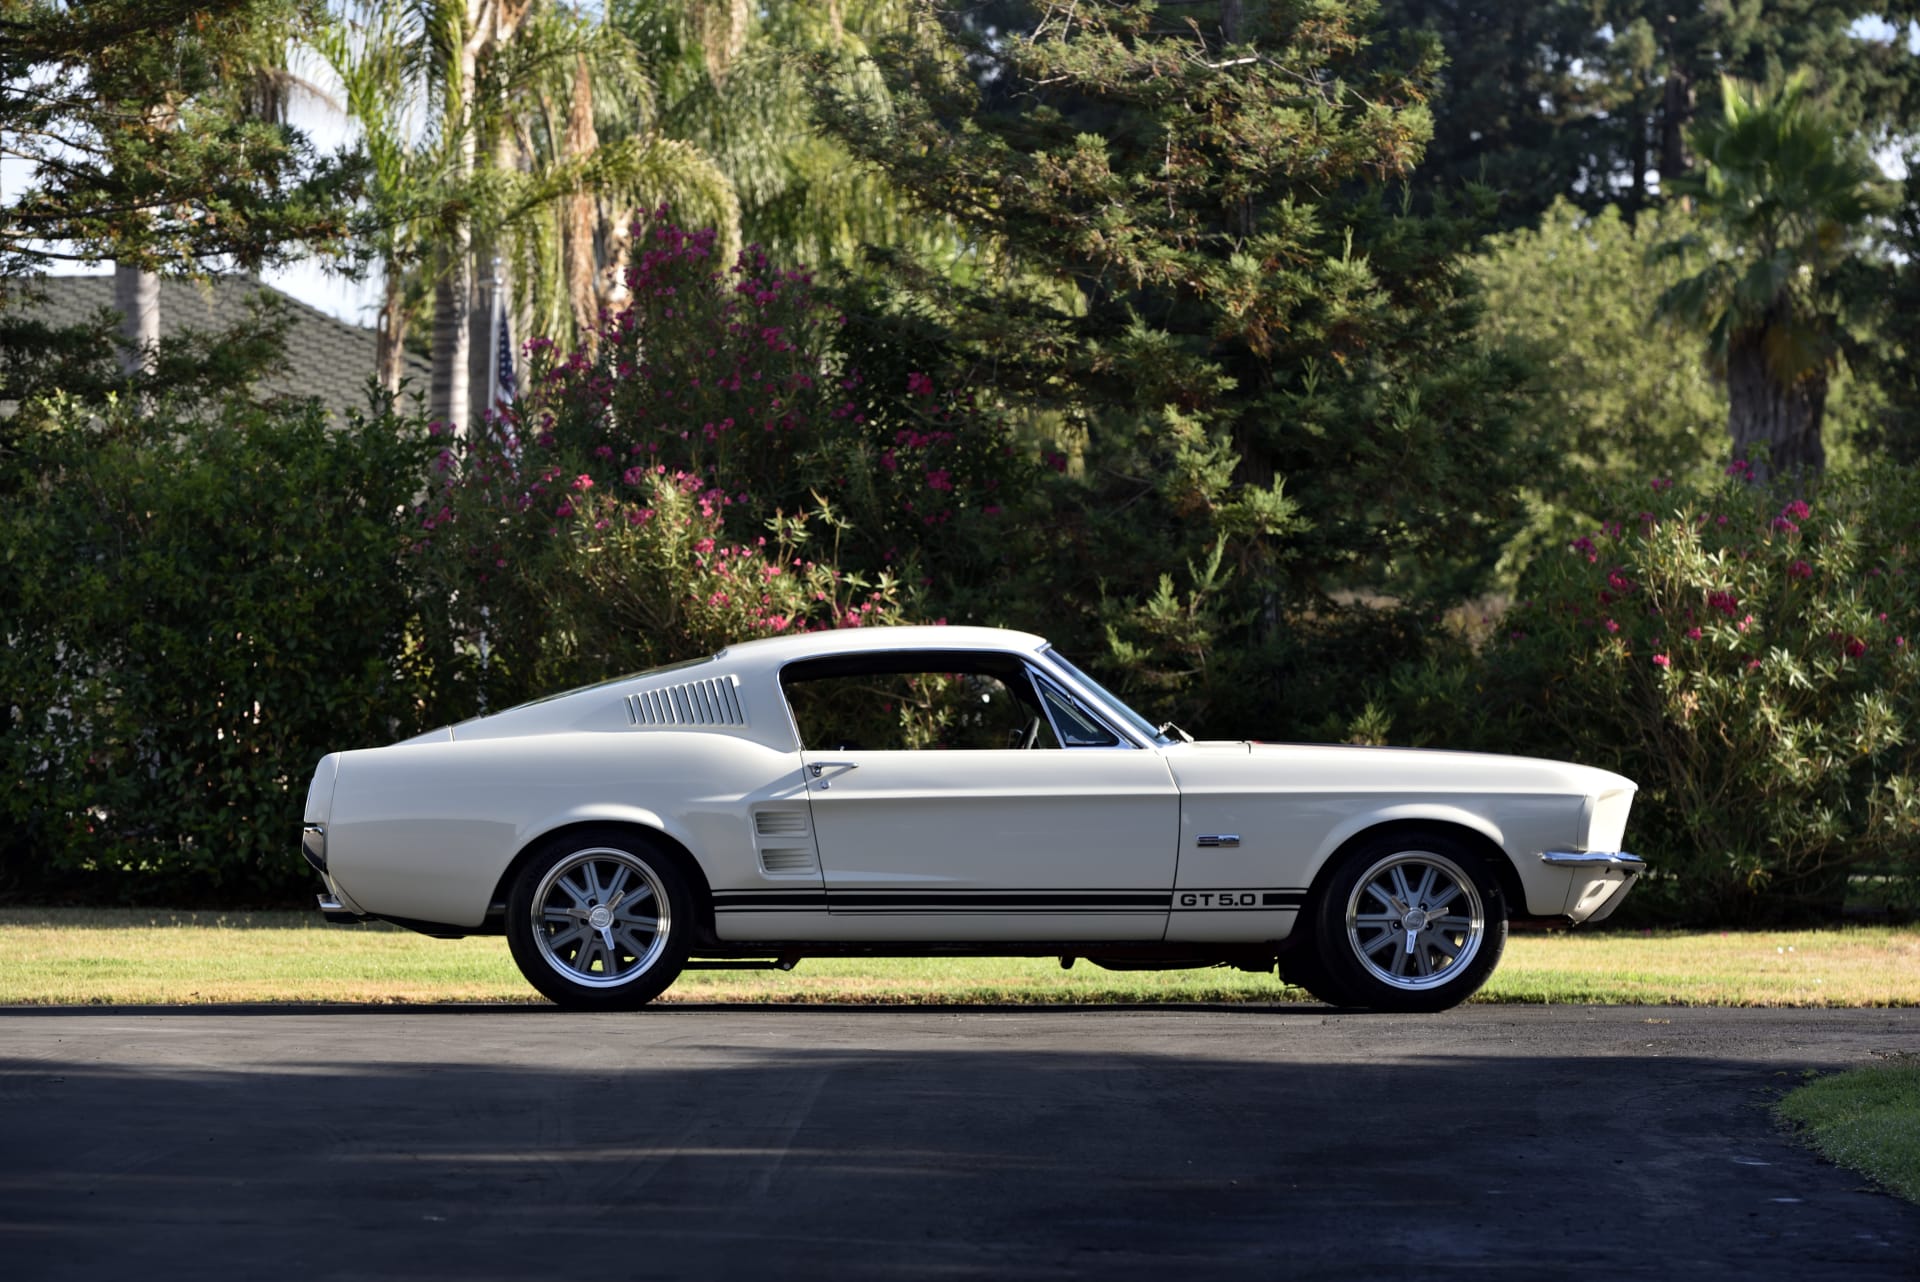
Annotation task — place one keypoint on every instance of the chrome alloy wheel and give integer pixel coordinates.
(1415, 920)
(601, 917)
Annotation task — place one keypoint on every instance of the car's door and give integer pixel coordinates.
(946, 809)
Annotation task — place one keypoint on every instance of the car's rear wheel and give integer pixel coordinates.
(600, 920)
(1411, 921)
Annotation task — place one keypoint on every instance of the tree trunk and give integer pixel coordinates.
(451, 397)
(452, 326)
(1775, 428)
(1676, 113)
(136, 294)
(390, 358)
(482, 340)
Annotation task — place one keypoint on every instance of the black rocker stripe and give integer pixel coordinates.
(991, 901)
(999, 898)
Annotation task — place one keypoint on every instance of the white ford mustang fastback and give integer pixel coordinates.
(948, 790)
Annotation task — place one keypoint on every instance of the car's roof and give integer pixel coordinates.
(805, 645)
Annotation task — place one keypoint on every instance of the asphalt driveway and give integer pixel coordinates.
(1202, 1143)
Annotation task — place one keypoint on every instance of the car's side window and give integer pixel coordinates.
(836, 709)
(1076, 726)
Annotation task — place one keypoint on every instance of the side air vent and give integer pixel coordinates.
(787, 859)
(780, 823)
(712, 701)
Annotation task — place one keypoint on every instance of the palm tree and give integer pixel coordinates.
(482, 122)
(738, 83)
(1786, 194)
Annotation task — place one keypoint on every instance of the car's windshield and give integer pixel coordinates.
(1108, 700)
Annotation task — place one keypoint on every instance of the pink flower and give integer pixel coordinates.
(1797, 510)
(1693, 634)
(1799, 570)
(939, 479)
(583, 482)
(1662, 483)
(1661, 661)
(1610, 625)
(1585, 547)
(564, 510)
(1753, 665)
(1782, 524)
(1855, 647)
(1741, 469)
(888, 461)
(1058, 462)
(919, 384)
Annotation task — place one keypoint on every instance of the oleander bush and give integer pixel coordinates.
(712, 467)
(194, 609)
(1747, 655)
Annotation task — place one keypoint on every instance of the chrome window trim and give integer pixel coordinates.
(1039, 679)
(1117, 724)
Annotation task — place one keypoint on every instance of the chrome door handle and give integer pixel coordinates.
(818, 766)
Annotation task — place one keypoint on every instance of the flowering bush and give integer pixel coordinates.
(713, 469)
(1747, 657)
(605, 579)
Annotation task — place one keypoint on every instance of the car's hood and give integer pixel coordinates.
(1347, 765)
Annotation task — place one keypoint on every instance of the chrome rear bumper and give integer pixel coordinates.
(336, 912)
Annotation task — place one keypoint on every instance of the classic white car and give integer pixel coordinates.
(948, 790)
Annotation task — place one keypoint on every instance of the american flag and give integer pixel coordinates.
(506, 384)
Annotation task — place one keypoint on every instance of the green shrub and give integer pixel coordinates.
(194, 612)
(1747, 656)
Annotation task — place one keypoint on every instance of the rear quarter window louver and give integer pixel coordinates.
(712, 701)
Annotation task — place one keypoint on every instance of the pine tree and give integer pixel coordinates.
(143, 145)
(1194, 259)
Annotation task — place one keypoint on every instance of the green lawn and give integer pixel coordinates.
(1867, 1120)
(70, 956)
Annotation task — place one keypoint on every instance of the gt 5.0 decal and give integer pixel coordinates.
(1238, 898)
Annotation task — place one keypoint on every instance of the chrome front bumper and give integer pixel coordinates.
(1598, 880)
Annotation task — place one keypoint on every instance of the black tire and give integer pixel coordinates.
(600, 919)
(1410, 921)
(1303, 969)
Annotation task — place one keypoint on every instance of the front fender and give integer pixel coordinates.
(1432, 812)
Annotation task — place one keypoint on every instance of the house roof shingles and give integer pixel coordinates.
(326, 358)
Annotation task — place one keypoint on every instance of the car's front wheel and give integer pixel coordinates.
(600, 920)
(1410, 921)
